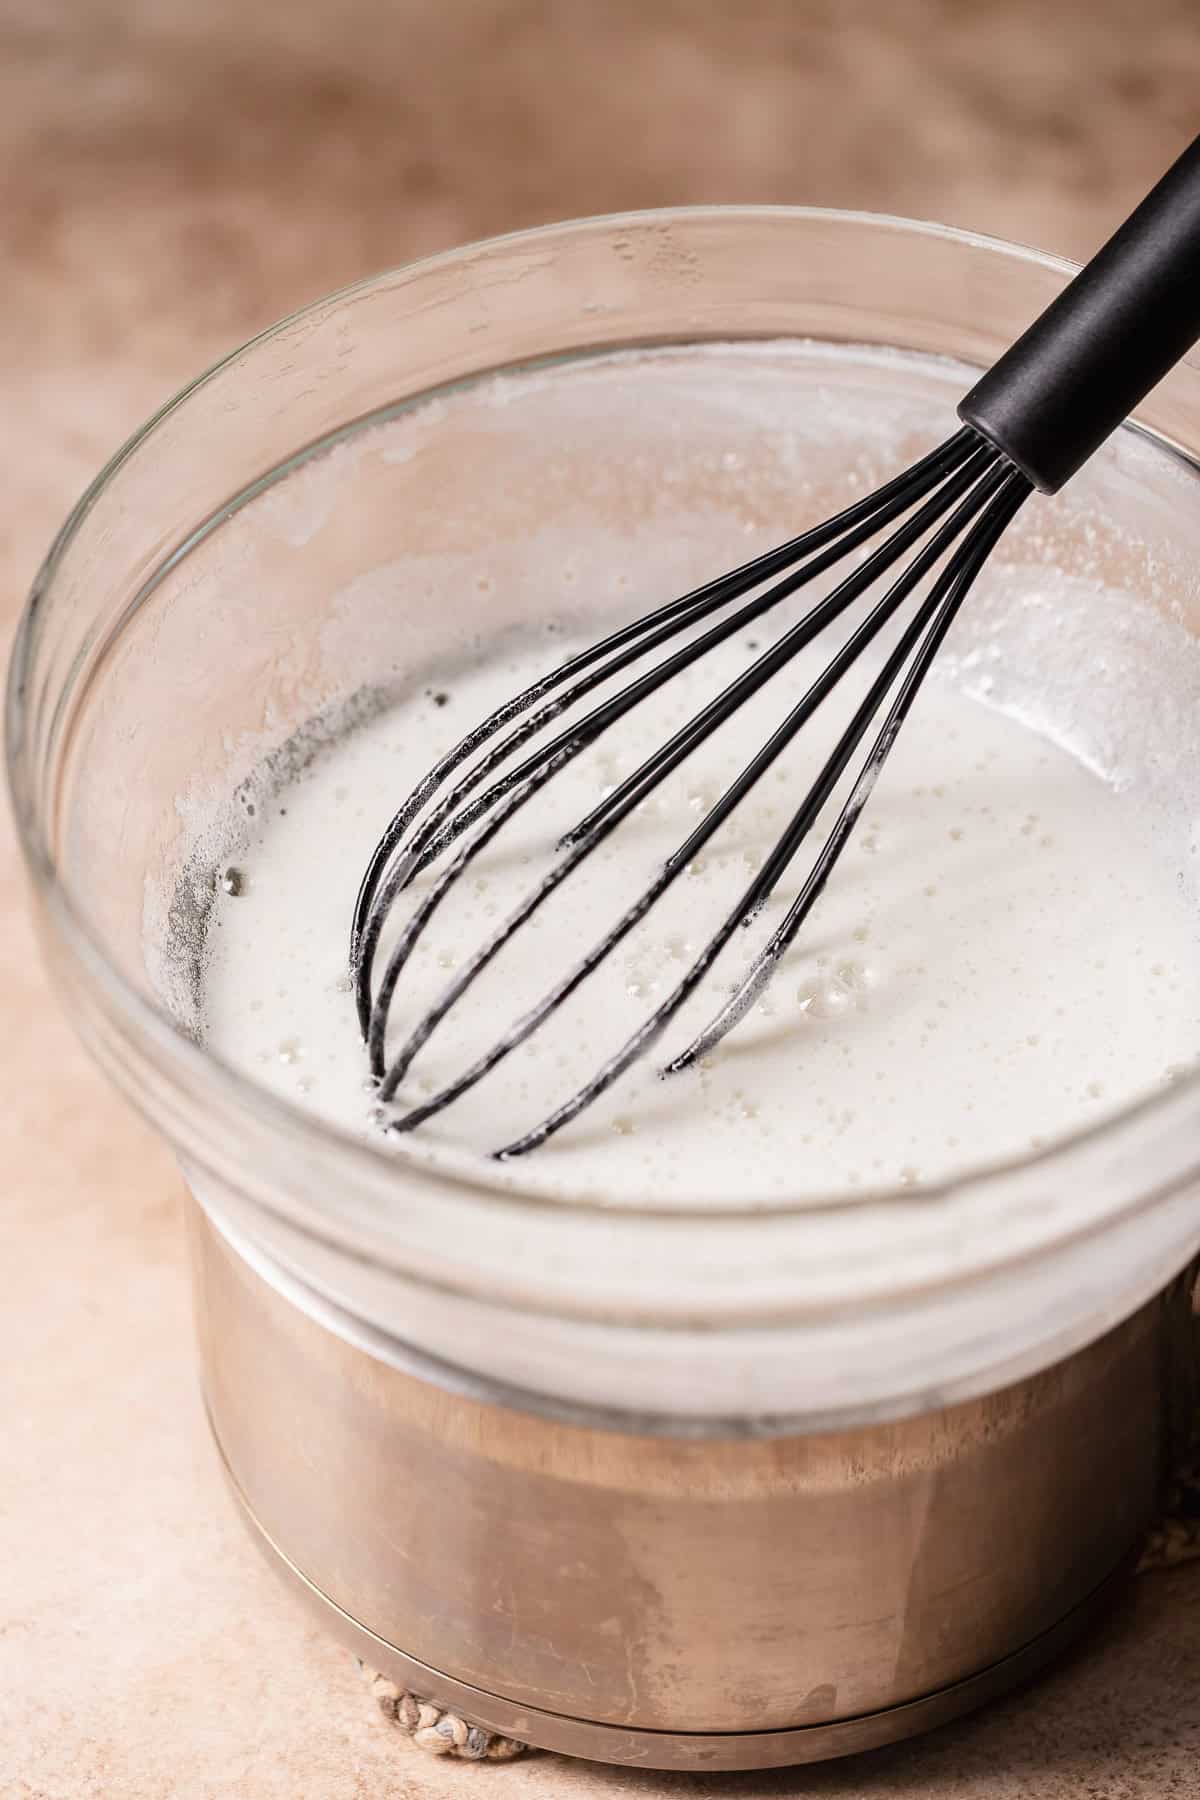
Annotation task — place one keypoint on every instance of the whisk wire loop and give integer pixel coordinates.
(584, 838)
(532, 776)
(964, 486)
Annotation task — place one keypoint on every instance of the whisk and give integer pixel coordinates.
(1029, 423)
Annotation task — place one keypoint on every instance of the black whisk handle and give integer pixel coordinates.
(1100, 347)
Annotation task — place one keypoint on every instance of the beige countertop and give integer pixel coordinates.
(175, 176)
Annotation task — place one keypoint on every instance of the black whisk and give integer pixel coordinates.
(1031, 422)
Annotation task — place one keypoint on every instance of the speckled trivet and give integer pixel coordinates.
(1177, 1539)
(438, 1732)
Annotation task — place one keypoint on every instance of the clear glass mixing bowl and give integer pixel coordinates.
(181, 629)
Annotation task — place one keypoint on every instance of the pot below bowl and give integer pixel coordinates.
(680, 1602)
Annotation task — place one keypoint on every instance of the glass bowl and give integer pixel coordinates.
(182, 629)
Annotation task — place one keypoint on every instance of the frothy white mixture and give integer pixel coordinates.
(1001, 957)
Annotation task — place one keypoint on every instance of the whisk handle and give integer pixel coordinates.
(1099, 348)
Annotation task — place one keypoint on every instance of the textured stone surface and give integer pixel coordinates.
(174, 176)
